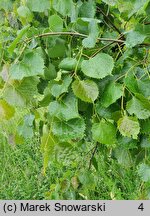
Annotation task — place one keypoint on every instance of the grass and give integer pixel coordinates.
(21, 172)
(21, 176)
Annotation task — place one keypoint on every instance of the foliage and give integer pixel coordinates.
(77, 73)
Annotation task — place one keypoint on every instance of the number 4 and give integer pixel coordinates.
(141, 207)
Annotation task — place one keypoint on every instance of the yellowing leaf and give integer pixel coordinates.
(129, 126)
(6, 111)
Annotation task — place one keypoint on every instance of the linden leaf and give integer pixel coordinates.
(129, 126)
(31, 65)
(21, 93)
(38, 6)
(145, 126)
(68, 130)
(55, 23)
(139, 107)
(25, 129)
(57, 88)
(86, 90)
(90, 41)
(144, 172)
(99, 66)
(134, 38)
(48, 143)
(104, 132)
(112, 93)
(110, 2)
(68, 64)
(65, 109)
(6, 111)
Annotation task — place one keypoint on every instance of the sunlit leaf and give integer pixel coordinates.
(104, 132)
(6, 111)
(99, 66)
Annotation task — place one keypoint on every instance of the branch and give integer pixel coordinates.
(95, 148)
(147, 23)
(73, 34)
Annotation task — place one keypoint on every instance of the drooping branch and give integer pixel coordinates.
(73, 34)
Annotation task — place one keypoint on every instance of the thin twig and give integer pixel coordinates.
(101, 11)
(102, 48)
(95, 148)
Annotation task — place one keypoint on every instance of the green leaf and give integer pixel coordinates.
(86, 90)
(112, 92)
(134, 38)
(57, 88)
(124, 157)
(139, 107)
(145, 142)
(18, 38)
(129, 126)
(65, 109)
(58, 50)
(68, 64)
(21, 93)
(48, 143)
(31, 65)
(24, 14)
(104, 132)
(87, 9)
(55, 23)
(143, 86)
(25, 129)
(130, 7)
(98, 67)
(6, 111)
(127, 142)
(131, 83)
(63, 7)
(50, 72)
(144, 172)
(87, 179)
(68, 130)
(110, 2)
(38, 6)
(91, 40)
(145, 126)
(6, 5)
